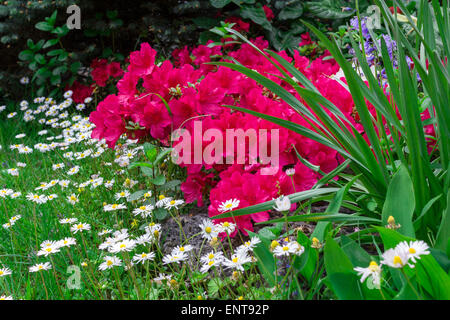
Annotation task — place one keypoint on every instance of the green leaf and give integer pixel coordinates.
(257, 15)
(26, 55)
(265, 259)
(293, 10)
(171, 185)
(50, 43)
(327, 9)
(219, 3)
(150, 151)
(136, 195)
(63, 56)
(159, 180)
(340, 274)
(59, 70)
(43, 26)
(39, 58)
(358, 256)
(30, 44)
(160, 213)
(61, 31)
(55, 52)
(55, 80)
(306, 263)
(52, 19)
(296, 197)
(74, 67)
(346, 286)
(400, 202)
(443, 234)
(112, 14)
(336, 260)
(338, 217)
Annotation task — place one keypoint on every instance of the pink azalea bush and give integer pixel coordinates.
(195, 89)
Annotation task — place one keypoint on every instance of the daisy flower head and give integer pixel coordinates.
(284, 249)
(68, 94)
(174, 258)
(143, 257)
(110, 262)
(58, 166)
(217, 256)
(227, 227)
(5, 272)
(49, 249)
(129, 183)
(124, 245)
(372, 272)
(282, 204)
(3, 297)
(13, 171)
(114, 207)
(67, 242)
(173, 204)
(40, 267)
(414, 249)
(178, 250)
(208, 229)
(73, 199)
(123, 194)
(37, 198)
(395, 258)
(237, 261)
(229, 205)
(209, 264)
(104, 231)
(68, 220)
(24, 80)
(20, 136)
(143, 211)
(162, 201)
(249, 245)
(5, 192)
(80, 227)
(15, 218)
(73, 170)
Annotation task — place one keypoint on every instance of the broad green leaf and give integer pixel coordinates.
(158, 180)
(257, 15)
(327, 9)
(265, 259)
(44, 26)
(292, 10)
(443, 234)
(400, 202)
(219, 3)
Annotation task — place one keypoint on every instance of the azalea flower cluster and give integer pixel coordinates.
(195, 90)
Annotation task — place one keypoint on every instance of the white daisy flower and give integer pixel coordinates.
(229, 205)
(40, 267)
(372, 272)
(143, 257)
(110, 262)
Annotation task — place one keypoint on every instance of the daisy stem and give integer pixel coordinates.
(45, 287)
(56, 278)
(410, 284)
(118, 283)
(133, 276)
(35, 226)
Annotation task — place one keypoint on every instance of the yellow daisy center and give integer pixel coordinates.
(398, 260)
